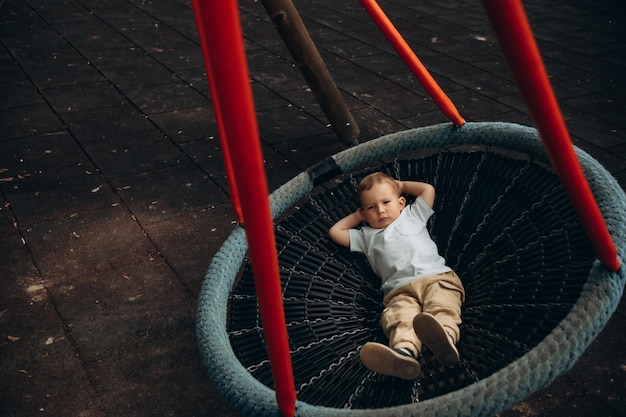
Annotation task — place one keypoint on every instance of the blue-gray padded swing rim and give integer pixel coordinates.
(537, 368)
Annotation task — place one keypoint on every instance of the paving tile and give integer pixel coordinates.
(287, 124)
(143, 352)
(64, 75)
(176, 15)
(89, 242)
(374, 124)
(127, 155)
(16, 11)
(105, 123)
(354, 78)
(26, 307)
(131, 76)
(595, 131)
(83, 97)
(380, 64)
(304, 154)
(13, 248)
(120, 58)
(196, 78)
(265, 98)
(104, 38)
(165, 97)
(420, 119)
(41, 196)
(305, 101)
(34, 119)
(46, 377)
(84, 27)
(487, 84)
(6, 217)
(47, 49)
(449, 67)
(514, 101)
(159, 36)
(397, 103)
(189, 124)
(179, 59)
(61, 11)
(166, 193)
(10, 72)
(127, 289)
(333, 18)
(19, 94)
(410, 82)
(600, 370)
(543, 402)
(276, 72)
(190, 241)
(121, 14)
(207, 154)
(103, 334)
(602, 107)
(475, 106)
(37, 154)
(349, 48)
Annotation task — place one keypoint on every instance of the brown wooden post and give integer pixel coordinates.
(308, 59)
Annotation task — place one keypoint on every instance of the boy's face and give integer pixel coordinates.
(381, 205)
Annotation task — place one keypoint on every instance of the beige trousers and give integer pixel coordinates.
(440, 295)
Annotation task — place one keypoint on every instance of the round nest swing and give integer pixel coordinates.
(536, 295)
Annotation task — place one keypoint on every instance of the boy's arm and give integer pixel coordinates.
(419, 189)
(339, 232)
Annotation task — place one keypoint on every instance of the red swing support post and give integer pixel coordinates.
(221, 36)
(510, 23)
(406, 53)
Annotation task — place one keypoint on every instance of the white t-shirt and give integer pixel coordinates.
(403, 251)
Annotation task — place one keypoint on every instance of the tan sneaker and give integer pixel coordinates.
(435, 336)
(384, 360)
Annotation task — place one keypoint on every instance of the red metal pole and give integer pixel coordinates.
(404, 50)
(221, 35)
(518, 43)
(230, 174)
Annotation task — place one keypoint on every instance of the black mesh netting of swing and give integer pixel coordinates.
(503, 223)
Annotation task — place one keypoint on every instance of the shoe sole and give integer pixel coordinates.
(433, 335)
(384, 360)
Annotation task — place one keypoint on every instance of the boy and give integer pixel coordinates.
(422, 296)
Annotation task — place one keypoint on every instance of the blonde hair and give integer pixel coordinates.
(377, 178)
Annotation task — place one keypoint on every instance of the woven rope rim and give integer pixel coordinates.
(554, 355)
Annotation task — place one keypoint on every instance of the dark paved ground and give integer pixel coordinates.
(113, 198)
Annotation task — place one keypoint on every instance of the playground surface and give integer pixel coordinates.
(113, 196)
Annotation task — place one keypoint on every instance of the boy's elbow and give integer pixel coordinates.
(339, 237)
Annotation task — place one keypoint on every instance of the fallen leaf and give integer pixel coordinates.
(13, 338)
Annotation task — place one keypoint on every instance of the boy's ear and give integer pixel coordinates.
(402, 201)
